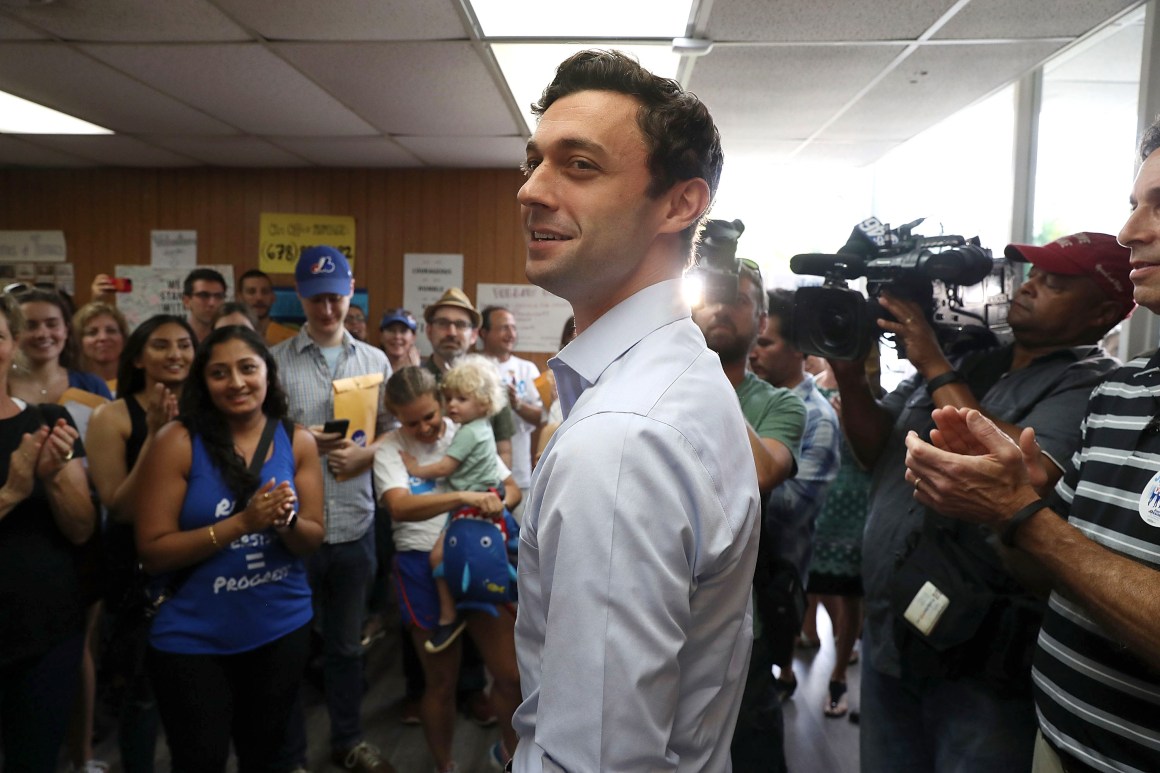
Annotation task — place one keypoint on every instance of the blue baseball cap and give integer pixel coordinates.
(402, 316)
(323, 270)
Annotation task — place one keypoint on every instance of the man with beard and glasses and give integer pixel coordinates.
(452, 327)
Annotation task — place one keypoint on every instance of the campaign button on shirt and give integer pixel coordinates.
(1150, 501)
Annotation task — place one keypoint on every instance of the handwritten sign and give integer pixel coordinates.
(540, 316)
(425, 277)
(32, 247)
(173, 249)
(157, 290)
(282, 237)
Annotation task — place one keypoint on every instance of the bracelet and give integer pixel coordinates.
(938, 382)
(1007, 536)
(213, 537)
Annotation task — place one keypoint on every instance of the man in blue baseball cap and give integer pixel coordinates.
(322, 353)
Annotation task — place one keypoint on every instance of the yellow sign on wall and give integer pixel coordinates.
(282, 237)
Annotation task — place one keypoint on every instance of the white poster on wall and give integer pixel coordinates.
(173, 249)
(32, 247)
(540, 316)
(426, 276)
(158, 290)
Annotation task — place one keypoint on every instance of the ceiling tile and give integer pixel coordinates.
(802, 87)
(1006, 20)
(140, 21)
(230, 151)
(60, 77)
(933, 83)
(265, 95)
(421, 89)
(110, 150)
(17, 152)
(478, 152)
(818, 20)
(1113, 58)
(348, 19)
(349, 151)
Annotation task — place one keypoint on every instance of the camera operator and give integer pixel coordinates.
(957, 690)
(776, 421)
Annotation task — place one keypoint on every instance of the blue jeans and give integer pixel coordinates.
(925, 725)
(340, 575)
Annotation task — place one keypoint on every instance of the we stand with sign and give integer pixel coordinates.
(282, 237)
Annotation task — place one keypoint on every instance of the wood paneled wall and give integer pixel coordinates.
(107, 214)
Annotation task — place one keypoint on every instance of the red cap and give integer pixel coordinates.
(1098, 256)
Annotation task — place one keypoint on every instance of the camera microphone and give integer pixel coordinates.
(820, 264)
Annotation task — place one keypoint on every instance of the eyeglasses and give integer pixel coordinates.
(460, 325)
(206, 295)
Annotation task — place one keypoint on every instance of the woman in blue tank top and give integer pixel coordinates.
(229, 644)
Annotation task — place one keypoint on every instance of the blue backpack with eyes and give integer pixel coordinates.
(478, 556)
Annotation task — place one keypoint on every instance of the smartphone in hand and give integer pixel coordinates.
(337, 425)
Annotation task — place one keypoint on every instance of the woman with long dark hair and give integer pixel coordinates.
(223, 526)
(154, 365)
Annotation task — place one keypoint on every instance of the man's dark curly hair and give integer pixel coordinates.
(1151, 140)
(682, 139)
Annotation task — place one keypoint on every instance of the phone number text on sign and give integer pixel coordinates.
(284, 236)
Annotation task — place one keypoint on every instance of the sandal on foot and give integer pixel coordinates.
(444, 634)
(836, 706)
(784, 688)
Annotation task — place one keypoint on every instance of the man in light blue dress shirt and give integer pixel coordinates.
(639, 541)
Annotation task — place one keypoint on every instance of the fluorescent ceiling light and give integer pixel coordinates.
(529, 67)
(19, 116)
(583, 19)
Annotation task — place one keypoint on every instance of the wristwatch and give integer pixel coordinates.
(290, 522)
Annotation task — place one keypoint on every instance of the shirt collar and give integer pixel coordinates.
(805, 386)
(303, 341)
(580, 364)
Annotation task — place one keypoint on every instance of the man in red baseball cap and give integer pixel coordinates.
(1095, 538)
(921, 668)
(1095, 255)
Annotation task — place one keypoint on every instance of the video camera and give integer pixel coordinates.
(838, 322)
(717, 260)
